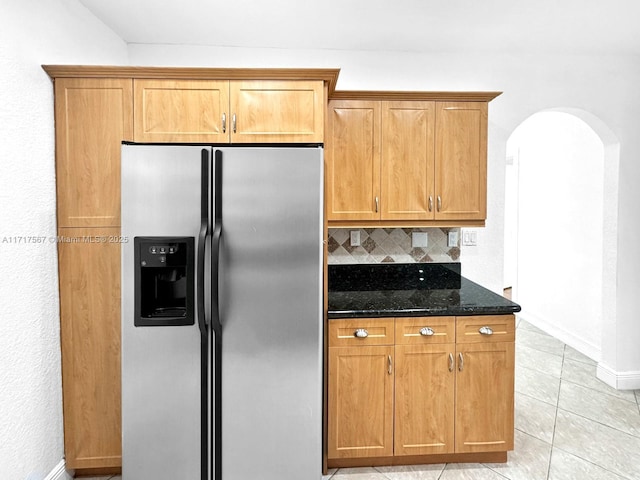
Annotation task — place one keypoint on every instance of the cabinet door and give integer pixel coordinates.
(461, 161)
(407, 161)
(89, 264)
(93, 116)
(352, 159)
(424, 399)
(484, 397)
(181, 111)
(277, 111)
(360, 402)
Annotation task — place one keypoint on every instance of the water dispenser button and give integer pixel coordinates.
(153, 250)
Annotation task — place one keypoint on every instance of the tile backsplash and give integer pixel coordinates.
(382, 245)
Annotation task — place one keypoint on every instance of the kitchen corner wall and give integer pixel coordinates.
(390, 245)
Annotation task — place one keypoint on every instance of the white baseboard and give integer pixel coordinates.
(553, 329)
(59, 472)
(618, 380)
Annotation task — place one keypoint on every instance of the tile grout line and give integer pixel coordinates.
(555, 420)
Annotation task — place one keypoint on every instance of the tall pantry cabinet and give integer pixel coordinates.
(92, 117)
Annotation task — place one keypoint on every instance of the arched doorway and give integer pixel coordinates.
(561, 226)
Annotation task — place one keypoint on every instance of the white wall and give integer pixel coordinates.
(605, 86)
(33, 33)
(559, 228)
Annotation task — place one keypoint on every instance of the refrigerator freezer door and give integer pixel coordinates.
(161, 365)
(271, 313)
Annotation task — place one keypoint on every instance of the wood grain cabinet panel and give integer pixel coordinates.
(181, 111)
(484, 397)
(93, 116)
(424, 399)
(89, 264)
(277, 111)
(360, 402)
(406, 191)
(461, 160)
(352, 159)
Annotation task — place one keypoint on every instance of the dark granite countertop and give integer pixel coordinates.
(409, 290)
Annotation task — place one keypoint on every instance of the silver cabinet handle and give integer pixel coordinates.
(426, 331)
(224, 123)
(390, 365)
(233, 123)
(485, 330)
(451, 362)
(361, 333)
(377, 204)
(430, 203)
(439, 203)
(460, 362)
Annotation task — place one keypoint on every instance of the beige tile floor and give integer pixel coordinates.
(569, 425)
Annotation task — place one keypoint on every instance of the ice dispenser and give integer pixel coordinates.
(164, 281)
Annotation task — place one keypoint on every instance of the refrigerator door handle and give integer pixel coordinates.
(215, 241)
(202, 240)
(216, 324)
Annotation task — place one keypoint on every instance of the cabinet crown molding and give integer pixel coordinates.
(329, 75)
(413, 95)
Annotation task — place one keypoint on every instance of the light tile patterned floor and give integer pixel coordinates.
(569, 425)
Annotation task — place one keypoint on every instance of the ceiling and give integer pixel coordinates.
(540, 26)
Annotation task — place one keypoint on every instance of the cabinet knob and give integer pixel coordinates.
(389, 365)
(224, 123)
(377, 204)
(426, 331)
(460, 362)
(485, 330)
(439, 203)
(233, 123)
(361, 333)
(430, 203)
(451, 362)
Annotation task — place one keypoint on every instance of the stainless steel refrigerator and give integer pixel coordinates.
(221, 312)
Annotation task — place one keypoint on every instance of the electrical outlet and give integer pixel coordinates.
(355, 238)
(419, 240)
(453, 239)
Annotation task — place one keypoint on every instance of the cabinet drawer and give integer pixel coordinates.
(425, 330)
(373, 331)
(496, 328)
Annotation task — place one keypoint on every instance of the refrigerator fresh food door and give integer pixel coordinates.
(271, 313)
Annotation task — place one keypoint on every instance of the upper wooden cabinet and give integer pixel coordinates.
(461, 160)
(406, 187)
(237, 111)
(93, 116)
(352, 159)
(391, 161)
(180, 110)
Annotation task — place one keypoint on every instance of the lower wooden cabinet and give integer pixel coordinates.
(424, 394)
(448, 387)
(361, 401)
(89, 269)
